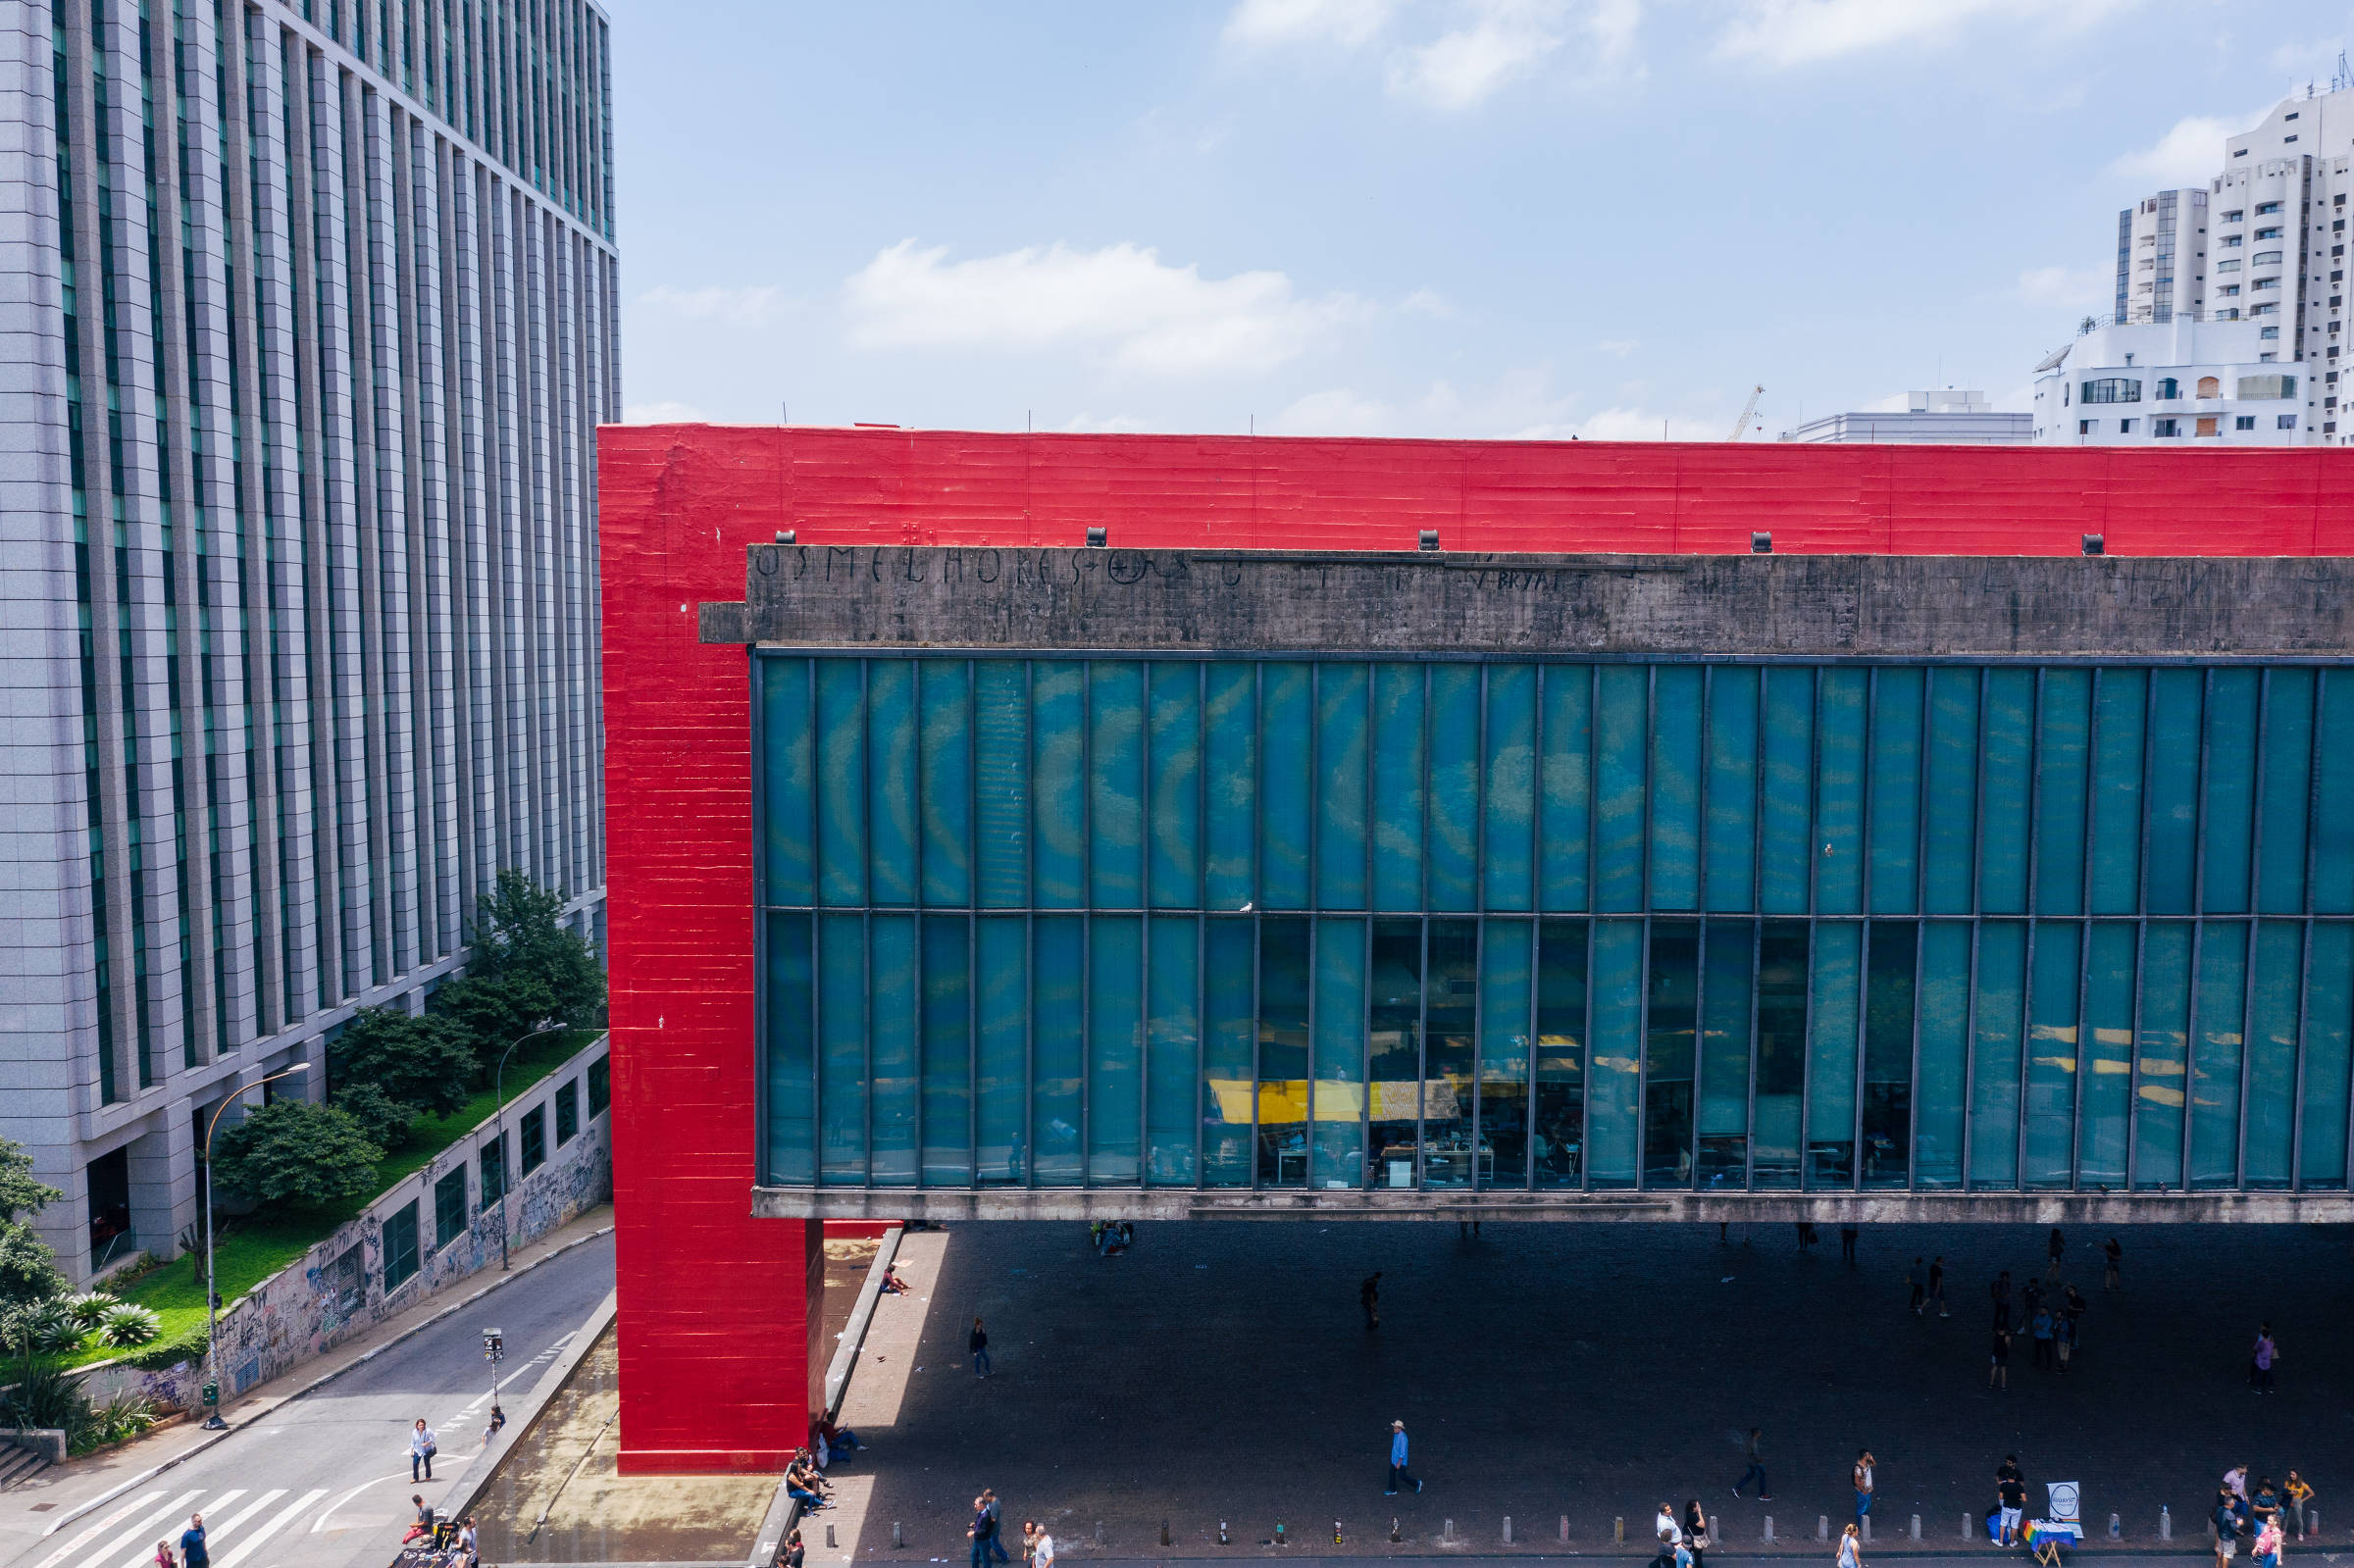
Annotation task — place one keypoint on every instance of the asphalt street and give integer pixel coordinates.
(320, 1477)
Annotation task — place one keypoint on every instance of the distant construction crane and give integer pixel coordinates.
(1741, 424)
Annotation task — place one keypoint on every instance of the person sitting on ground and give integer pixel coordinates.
(803, 1485)
(893, 1285)
(842, 1439)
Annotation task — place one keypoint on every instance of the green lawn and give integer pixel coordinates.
(249, 1249)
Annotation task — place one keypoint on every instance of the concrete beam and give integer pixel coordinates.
(1823, 1208)
(1763, 606)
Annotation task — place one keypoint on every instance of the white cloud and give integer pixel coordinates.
(1351, 24)
(1337, 412)
(1797, 32)
(1644, 424)
(1504, 40)
(761, 306)
(1107, 425)
(1520, 406)
(663, 414)
(2071, 286)
(1616, 347)
(2190, 151)
(1121, 304)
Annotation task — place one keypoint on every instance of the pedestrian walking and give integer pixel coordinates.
(2268, 1546)
(422, 1448)
(2031, 1296)
(997, 1527)
(1042, 1551)
(1029, 1543)
(2111, 1256)
(162, 1556)
(2040, 1328)
(191, 1545)
(977, 1531)
(1847, 1245)
(2064, 1339)
(2259, 1362)
(1917, 1280)
(1863, 1481)
(2072, 1304)
(2227, 1529)
(1398, 1470)
(2056, 1246)
(978, 1343)
(1757, 1466)
(2296, 1494)
(2001, 1291)
(2010, 1499)
(1368, 1297)
(1851, 1549)
(1937, 1283)
(1998, 1364)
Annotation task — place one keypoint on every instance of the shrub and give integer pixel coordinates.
(383, 1120)
(44, 1396)
(90, 1307)
(40, 1328)
(426, 1064)
(127, 1326)
(296, 1152)
(118, 1420)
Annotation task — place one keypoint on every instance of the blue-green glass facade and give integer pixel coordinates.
(1339, 923)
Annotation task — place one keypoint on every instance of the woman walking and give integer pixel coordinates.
(422, 1449)
(1851, 1549)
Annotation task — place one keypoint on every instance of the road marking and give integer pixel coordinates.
(139, 1559)
(138, 1533)
(278, 1521)
(213, 1532)
(320, 1523)
(144, 1500)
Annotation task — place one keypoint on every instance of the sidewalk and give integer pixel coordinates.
(31, 1509)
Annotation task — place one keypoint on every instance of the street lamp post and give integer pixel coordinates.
(212, 1294)
(498, 1096)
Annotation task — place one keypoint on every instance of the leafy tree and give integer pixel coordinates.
(518, 929)
(492, 1012)
(423, 1064)
(20, 1197)
(382, 1119)
(296, 1152)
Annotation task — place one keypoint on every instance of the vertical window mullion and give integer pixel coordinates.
(2255, 887)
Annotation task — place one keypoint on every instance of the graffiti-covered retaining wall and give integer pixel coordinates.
(337, 1289)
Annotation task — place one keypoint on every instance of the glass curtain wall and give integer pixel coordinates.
(1335, 925)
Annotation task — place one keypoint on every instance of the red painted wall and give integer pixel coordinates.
(718, 1313)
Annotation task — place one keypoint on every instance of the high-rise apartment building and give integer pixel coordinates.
(2255, 261)
(310, 307)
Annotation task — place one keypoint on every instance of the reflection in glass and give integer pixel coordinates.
(1116, 1050)
(1230, 1030)
(1449, 1000)
(2108, 1054)
(2230, 790)
(1831, 1053)
(1561, 1093)
(1394, 1041)
(1172, 1039)
(1723, 1119)
(2052, 1054)
(2214, 1055)
(841, 1049)
(2287, 781)
(1888, 1054)
(791, 1151)
(1281, 1052)
(1341, 785)
(891, 1046)
(1338, 1155)
(2272, 1115)
(1613, 1094)
(1897, 701)
(2329, 998)
(1674, 995)
(1002, 1001)
(1995, 1053)
(1781, 1051)
(1057, 1050)
(1508, 852)
(2160, 1052)
(947, 1054)
(2060, 793)
(1732, 817)
(2116, 825)
(1504, 1053)
(1944, 1055)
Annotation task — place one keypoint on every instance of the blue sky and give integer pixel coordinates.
(1488, 217)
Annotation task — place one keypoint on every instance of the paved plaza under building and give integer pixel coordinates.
(1223, 1371)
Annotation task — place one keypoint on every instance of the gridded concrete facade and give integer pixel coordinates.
(310, 322)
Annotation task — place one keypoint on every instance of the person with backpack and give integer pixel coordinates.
(1863, 1481)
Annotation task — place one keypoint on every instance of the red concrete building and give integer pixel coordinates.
(719, 1310)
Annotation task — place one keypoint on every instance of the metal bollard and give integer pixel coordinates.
(1966, 1530)
(1164, 1532)
(2312, 1523)
(1508, 1529)
(1222, 1531)
(1822, 1527)
(1099, 1532)
(897, 1540)
(1564, 1530)
(1618, 1530)
(2166, 1524)
(2116, 1528)
(1770, 1529)
(829, 1541)
(1447, 1535)
(1716, 1528)
(1394, 1536)
(1867, 1526)
(1916, 1527)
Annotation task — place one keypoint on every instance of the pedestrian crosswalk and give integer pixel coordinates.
(239, 1526)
